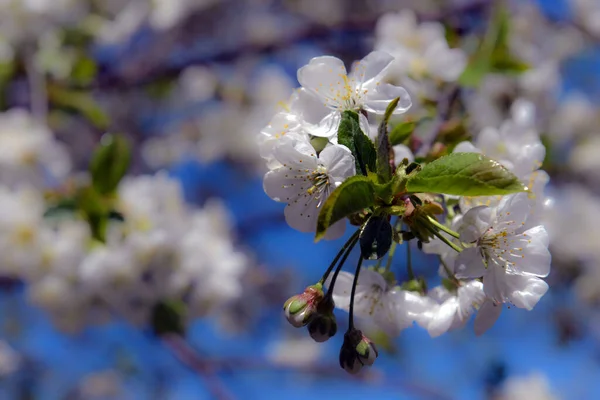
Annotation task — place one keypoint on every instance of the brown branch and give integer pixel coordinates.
(140, 72)
(207, 371)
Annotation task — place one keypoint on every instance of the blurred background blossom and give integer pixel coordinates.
(101, 276)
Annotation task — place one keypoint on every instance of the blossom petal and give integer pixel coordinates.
(401, 152)
(341, 289)
(324, 77)
(536, 258)
(443, 62)
(302, 213)
(443, 317)
(486, 316)
(466, 147)
(378, 100)
(327, 127)
(339, 161)
(475, 223)
(513, 211)
(470, 295)
(469, 264)
(371, 69)
(525, 291)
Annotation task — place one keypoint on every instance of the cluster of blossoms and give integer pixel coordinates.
(156, 248)
(478, 208)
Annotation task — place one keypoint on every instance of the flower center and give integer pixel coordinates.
(349, 97)
(320, 183)
(499, 248)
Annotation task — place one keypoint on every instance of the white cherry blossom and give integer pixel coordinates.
(390, 308)
(363, 89)
(419, 50)
(453, 309)
(305, 180)
(509, 259)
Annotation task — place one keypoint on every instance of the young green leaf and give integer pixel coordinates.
(109, 163)
(354, 194)
(493, 54)
(401, 132)
(384, 149)
(351, 136)
(465, 174)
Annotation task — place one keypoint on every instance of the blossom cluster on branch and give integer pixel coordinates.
(477, 205)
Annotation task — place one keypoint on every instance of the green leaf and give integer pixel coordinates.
(351, 136)
(94, 210)
(80, 102)
(401, 132)
(353, 195)
(109, 163)
(63, 208)
(493, 55)
(384, 149)
(84, 70)
(465, 174)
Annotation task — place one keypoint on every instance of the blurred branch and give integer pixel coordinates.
(208, 368)
(187, 355)
(38, 94)
(140, 72)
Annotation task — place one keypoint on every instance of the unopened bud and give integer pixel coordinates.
(357, 351)
(322, 327)
(366, 350)
(300, 309)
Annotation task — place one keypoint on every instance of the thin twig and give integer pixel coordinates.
(188, 356)
(38, 93)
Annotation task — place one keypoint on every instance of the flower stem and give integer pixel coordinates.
(445, 240)
(352, 239)
(354, 283)
(411, 273)
(443, 227)
(448, 270)
(339, 268)
(388, 265)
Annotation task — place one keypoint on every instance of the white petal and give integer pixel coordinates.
(323, 76)
(443, 317)
(372, 68)
(439, 294)
(469, 264)
(295, 153)
(536, 258)
(525, 291)
(401, 152)
(475, 223)
(336, 230)
(301, 214)
(486, 316)
(277, 185)
(308, 107)
(513, 210)
(339, 162)
(443, 62)
(466, 147)
(327, 127)
(470, 295)
(378, 100)
(342, 289)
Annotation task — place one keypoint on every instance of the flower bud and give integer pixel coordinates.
(301, 309)
(322, 327)
(366, 351)
(357, 351)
